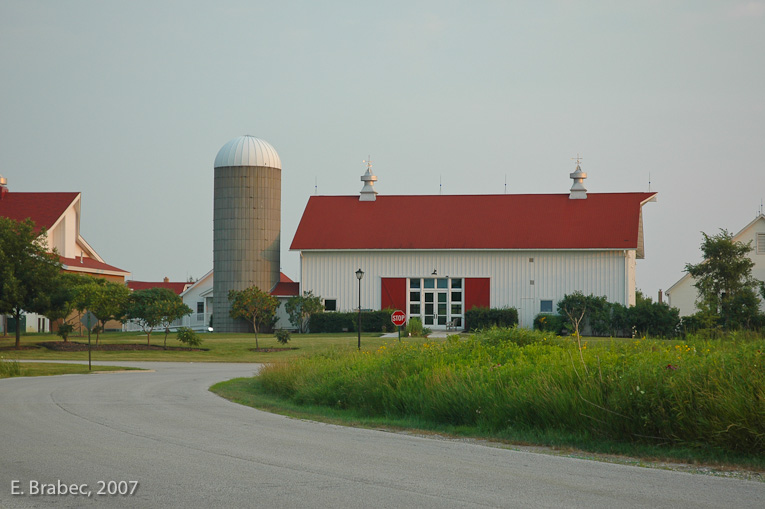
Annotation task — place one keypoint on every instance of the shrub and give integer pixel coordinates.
(64, 330)
(371, 321)
(188, 337)
(282, 336)
(485, 318)
(549, 323)
(331, 322)
(414, 327)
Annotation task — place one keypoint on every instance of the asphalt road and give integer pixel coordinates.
(186, 447)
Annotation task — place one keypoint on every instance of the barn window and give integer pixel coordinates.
(330, 304)
(545, 306)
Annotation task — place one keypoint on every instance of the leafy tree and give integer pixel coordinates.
(27, 270)
(173, 308)
(154, 307)
(105, 299)
(724, 280)
(300, 308)
(65, 300)
(255, 306)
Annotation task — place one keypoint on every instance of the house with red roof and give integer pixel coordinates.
(59, 214)
(436, 257)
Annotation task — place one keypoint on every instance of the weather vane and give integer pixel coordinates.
(368, 160)
(578, 158)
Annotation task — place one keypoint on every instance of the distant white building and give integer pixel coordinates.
(199, 297)
(436, 257)
(683, 294)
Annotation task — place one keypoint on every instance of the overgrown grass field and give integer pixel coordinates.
(695, 394)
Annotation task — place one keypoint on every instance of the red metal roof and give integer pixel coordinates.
(176, 287)
(88, 265)
(286, 287)
(525, 221)
(43, 208)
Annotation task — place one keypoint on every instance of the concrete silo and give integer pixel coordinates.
(246, 223)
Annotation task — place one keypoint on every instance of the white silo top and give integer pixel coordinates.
(247, 151)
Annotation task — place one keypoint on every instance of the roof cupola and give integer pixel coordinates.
(578, 191)
(368, 192)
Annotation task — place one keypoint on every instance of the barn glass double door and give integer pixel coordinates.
(438, 302)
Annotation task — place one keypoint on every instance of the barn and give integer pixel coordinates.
(437, 256)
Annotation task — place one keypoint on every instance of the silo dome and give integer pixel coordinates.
(247, 151)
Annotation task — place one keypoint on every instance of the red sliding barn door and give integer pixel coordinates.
(477, 292)
(393, 293)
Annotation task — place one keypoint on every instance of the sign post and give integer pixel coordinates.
(87, 320)
(398, 318)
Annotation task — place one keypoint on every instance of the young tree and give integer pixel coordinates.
(106, 300)
(64, 301)
(724, 280)
(255, 306)
(300, 308)
(154, 307)
(173, 308)
(27, 270)
(574, 307)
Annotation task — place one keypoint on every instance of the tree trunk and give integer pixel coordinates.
(255, 326)
(17, 317)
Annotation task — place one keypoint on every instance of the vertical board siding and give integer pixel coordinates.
(602, 273)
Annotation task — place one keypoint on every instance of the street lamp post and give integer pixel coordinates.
(359, 275)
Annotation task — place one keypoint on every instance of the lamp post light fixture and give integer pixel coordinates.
(359, 275)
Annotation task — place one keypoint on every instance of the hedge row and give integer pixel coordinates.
(371, 321)
(485, 318)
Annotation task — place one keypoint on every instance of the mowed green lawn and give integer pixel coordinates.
(216, 347)
(50, 369)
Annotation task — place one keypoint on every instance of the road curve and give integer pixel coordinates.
(187, 447)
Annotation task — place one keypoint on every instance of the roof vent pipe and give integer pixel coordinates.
(578, 191)
(368, 192)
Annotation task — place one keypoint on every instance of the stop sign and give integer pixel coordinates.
(398, 317)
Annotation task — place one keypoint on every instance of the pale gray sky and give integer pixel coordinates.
(129, 102)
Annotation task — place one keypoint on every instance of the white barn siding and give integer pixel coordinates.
(683, 296)
(331, 275)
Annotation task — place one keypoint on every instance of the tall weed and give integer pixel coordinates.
(699, 392)
(9, 368)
